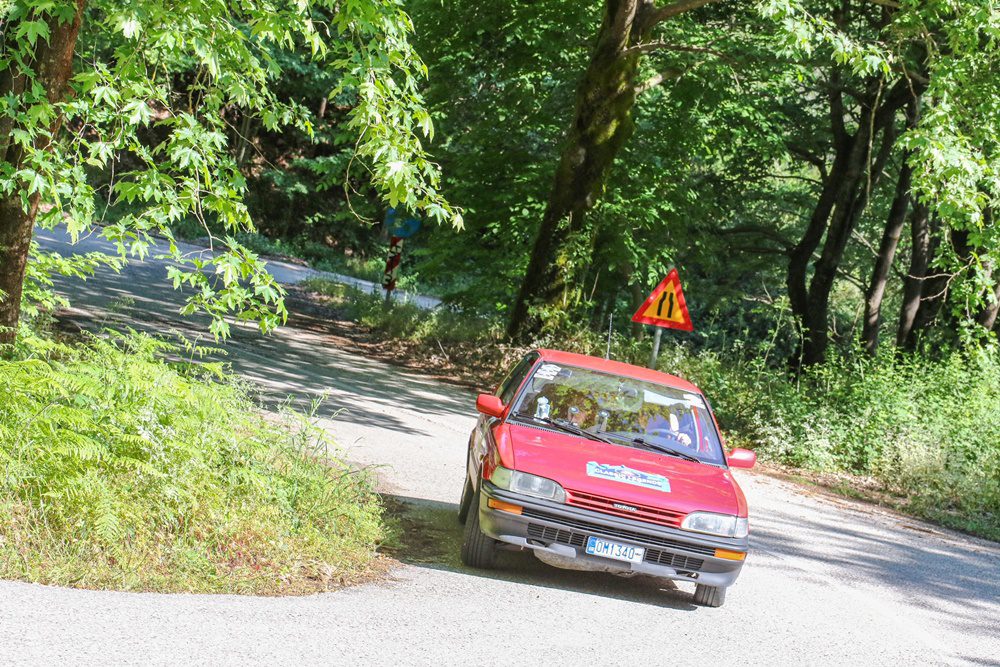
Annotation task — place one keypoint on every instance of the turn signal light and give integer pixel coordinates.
(501, 505)
(729, 555)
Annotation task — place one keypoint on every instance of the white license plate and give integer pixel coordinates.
(598, 547)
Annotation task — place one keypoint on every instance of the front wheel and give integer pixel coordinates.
(478, 548)
(709, 596)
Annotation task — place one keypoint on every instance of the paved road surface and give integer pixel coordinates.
(828, 582)
(285, 272)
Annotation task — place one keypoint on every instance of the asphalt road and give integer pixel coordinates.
(828, 581)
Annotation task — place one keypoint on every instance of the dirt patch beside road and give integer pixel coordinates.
(459, 365)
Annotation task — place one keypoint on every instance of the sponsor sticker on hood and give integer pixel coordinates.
(627, 475)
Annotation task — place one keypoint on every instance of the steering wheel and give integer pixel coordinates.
(667, 433)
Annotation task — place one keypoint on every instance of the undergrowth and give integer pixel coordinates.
(123, 470)
(926, 430)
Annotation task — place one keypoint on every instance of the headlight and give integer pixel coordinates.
(529, 485)
(723, 525)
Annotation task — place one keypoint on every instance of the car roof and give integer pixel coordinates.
(617, 368)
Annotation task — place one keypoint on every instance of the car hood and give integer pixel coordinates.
(623, 473)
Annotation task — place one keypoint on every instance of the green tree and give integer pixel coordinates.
(601, 124)
(84, 83)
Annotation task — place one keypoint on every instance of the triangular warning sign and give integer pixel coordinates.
(666, 306)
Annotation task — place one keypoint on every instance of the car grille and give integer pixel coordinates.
(654, 556)
(550, 534)
(607, 506)
(575, 526)
(673, 560)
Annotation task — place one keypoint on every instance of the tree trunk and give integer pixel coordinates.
(988, 317)
(933, 291)
(801, 254)
(842, 201)
(883, 262)
(921, 252)
(861, 175)
(852, 199)
(638, 297)
(53, 64)
(15, 241)
(602, 123)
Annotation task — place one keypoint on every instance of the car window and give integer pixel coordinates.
(622, 408)
(514, 379)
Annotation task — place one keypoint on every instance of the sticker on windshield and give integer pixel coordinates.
(627, 475)
(695, 400)
(547, 371)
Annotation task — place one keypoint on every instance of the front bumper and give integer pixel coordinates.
(562, 530)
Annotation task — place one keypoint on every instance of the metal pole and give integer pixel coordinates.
(607, 354)
(656, 347)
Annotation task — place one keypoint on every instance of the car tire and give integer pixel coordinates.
(466, 502)
(709, 596)
(478, 549)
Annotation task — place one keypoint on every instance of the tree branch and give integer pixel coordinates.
(673, 9)
(657, 79)
(667, 46)
(812, 158)
(759, 230)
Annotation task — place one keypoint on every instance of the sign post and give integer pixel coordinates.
(665, 308)
(399, 230)
(657, 335)
(392, 267)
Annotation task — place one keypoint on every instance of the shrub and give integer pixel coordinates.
(405, 320)
(927, 430)
(122, 470)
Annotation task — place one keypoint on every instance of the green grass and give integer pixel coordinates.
(122, 470)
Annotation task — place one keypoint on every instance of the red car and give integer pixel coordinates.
(600, 465)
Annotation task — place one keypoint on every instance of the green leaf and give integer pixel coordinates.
(31, 30)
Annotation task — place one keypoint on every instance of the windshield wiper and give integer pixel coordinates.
(565, 426)
(663, 449)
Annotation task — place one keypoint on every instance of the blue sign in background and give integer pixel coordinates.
(404, 228)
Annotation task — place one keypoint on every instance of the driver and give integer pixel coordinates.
(670, 425)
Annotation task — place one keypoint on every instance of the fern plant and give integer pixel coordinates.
(119, 468)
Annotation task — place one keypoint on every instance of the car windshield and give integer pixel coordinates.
(633, 412)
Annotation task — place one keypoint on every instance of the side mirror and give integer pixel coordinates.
(489, 405)
(742, 458)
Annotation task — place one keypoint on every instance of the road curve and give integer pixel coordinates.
(828, 581)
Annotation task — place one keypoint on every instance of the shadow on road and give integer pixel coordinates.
(300, 364)
(430, 536)
(956, 582)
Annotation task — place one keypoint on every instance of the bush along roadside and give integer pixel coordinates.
(919, 434)
(122, 470)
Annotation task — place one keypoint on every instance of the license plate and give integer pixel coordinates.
(598, 547)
